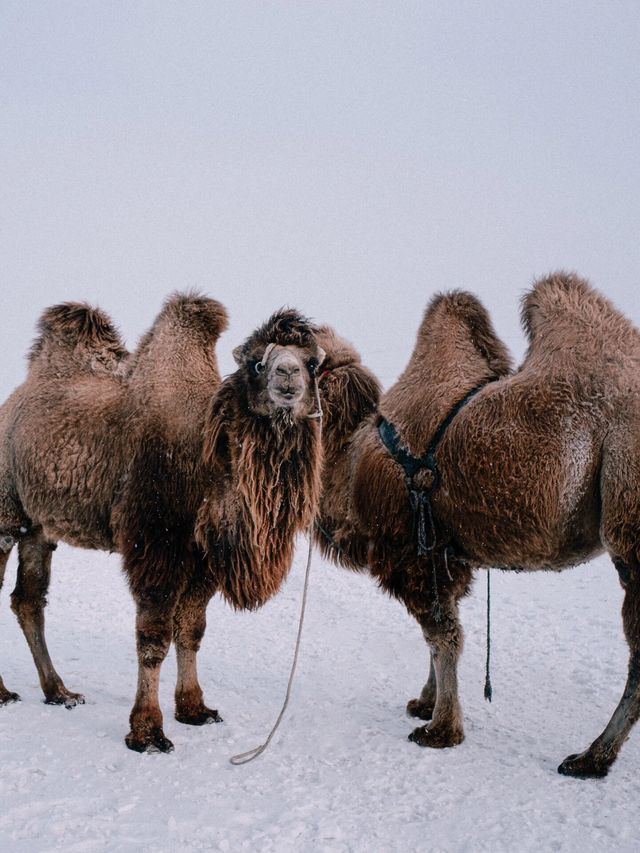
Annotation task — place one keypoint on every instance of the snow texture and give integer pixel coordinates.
(340, 774)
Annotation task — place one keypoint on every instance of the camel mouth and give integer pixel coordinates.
(286, 398)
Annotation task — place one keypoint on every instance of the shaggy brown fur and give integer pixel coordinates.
(350, 394)
(114, 460)
(276, 469)
(539, 471)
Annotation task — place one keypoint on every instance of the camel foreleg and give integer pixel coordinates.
(6, 696)
(154, 619)
(424, 705)
(189, 623)
(444, 637)
(28, 601)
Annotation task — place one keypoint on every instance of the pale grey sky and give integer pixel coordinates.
(348, 158)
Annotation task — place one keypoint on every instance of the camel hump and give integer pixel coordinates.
(186, 324)
(339, 352)
(563, 307)
(463, 309)
(75, 335)
(196, 313)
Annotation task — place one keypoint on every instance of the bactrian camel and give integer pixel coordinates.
(466, 464)
(200, 485)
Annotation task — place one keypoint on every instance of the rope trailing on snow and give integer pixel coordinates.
(250, 754)
(488, 690)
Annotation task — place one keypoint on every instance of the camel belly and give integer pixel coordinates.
(534, 504)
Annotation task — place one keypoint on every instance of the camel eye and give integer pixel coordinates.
(313, 364)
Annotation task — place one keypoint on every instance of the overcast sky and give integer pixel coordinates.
(347, 158)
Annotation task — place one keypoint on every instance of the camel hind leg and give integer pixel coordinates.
(189, 623)
(620, 533)
(598, 758)
(28, 601)
(6, 544)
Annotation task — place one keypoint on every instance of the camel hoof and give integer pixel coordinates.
(154, 741)
(202, 717)
(420, 709)
(436, 738)
(6, 543)
(583, 766)
(66, 698)
(7, 697)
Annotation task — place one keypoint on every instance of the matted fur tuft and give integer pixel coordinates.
(286, 327)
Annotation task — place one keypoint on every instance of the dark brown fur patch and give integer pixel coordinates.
(286, 327)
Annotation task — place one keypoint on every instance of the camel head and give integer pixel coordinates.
(349, 391)
(278, 363)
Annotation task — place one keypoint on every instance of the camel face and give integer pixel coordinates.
(281, 378)
(287, 378)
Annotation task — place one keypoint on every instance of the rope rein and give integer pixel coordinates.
(250, 754)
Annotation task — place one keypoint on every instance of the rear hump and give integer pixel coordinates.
(74, 336)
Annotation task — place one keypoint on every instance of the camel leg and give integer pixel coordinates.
(598, 758)
(154, 619)
(28, 601)
(424, 705)
(444, 637)
(189, 623)
(6, 544)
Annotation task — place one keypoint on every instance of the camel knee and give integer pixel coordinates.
(189, 636)
(191, 639)
(443, 635)
(153, 648)
(631, 614)
(28, 609)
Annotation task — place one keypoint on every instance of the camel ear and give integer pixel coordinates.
(321, 355)
(237, 356)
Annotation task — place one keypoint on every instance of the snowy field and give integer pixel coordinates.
(341, 774)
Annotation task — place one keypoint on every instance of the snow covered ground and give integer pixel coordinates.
(341, 774)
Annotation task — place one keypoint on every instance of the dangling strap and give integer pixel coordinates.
(488, 690)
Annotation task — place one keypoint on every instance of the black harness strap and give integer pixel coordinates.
(420, 497)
